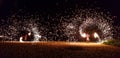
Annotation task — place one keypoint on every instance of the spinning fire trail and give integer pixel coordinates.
(82, 25)
(93, 25)
(59, 29)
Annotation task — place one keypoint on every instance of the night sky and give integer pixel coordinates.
(113, 6)
(59, 6)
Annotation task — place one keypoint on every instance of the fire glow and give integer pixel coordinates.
(83, 35)
(69, 28)
(21, 39)
(96, 35)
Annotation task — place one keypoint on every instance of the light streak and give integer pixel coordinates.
(97, 36)
(84, 35)
(21, 39)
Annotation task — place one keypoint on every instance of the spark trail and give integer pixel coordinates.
(60, 27)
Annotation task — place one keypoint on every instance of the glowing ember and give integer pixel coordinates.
(29, 33)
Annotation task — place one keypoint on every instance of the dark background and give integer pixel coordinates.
(6, 5)
(53, 6)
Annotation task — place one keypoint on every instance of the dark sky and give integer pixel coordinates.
(6, 6)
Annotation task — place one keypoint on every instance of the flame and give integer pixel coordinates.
(21, 39)
(96, 35)
(84, 35)
(29, 33)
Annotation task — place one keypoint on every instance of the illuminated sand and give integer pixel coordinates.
(53, 49)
